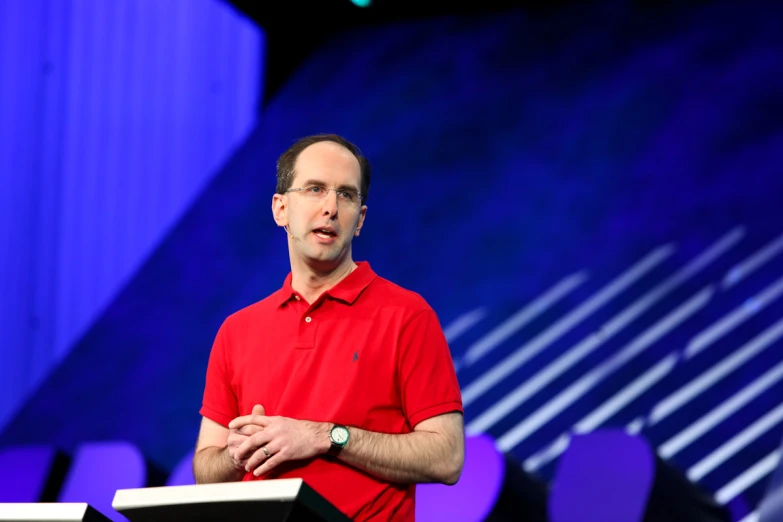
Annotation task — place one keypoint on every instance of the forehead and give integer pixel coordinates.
(329, 162)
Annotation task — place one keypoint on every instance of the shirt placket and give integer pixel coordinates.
(308, 326)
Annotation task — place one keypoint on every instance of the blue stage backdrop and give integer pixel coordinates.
(115, 115)
(590, 200)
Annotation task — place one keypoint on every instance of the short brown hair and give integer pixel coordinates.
(287, 160)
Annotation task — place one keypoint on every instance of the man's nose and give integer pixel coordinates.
(330, 203)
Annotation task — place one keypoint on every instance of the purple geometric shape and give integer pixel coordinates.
(474, 496)
(182, 475)
(603, 476)
(23, 472)
(98, 470)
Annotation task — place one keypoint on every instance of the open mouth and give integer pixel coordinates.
(324, 233)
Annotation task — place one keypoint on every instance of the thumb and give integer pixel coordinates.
(258, 410)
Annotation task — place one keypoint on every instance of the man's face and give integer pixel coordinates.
(323, 227)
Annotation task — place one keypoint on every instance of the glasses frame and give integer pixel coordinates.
(303, 191)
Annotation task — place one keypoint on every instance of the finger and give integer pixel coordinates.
(261, 454)
(240, 462)
(268, 465)
(247, 431)
(236, 437)
(258, 410)
(251, 444)
(238, 422)
(261, 420)
(234, 443)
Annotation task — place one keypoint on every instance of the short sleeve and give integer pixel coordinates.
(426, 377)
(220, 402)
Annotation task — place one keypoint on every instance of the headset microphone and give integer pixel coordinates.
(290, 234)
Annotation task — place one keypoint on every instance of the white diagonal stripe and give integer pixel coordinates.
(720, 413)
(565, 398)
(697, 386)
(653, 296)
(739, 441)
(744, 268)
(575, 354)
(605, 411)
(635, 426)
(718, 248)
(751, 517)
(463, 323)
(534, 462)
(627, 394)
(528, 350)
(511, 325)
(531, 386)
(749, 477)
(749, 308)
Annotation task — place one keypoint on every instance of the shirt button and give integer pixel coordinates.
(308, 319)
(296, 297)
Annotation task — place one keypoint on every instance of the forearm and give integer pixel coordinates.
(416, 457)
(213, 464)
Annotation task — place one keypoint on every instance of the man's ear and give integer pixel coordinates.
(360, 224)
(279, 210)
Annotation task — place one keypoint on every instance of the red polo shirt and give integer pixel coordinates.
(367, 353)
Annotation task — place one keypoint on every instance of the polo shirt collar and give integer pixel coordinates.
(347, 290)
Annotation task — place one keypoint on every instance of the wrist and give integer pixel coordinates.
(322, 441)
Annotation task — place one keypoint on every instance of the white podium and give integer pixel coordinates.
(51, 512)
(289, 500)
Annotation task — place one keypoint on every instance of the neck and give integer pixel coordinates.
(311, 280)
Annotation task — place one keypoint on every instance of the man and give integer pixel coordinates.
(340, 377)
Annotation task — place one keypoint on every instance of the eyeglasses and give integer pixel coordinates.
(346, 196)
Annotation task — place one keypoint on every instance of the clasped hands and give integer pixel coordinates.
(258, 443)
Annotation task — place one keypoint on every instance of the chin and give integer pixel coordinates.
(323, 256)
(331, 257)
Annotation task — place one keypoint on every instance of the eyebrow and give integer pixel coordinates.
(319, 182)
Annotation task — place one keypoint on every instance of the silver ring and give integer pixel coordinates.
(266, 451)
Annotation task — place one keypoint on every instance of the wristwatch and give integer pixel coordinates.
(338, 436)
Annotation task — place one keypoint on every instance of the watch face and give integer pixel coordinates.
(340, 435)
